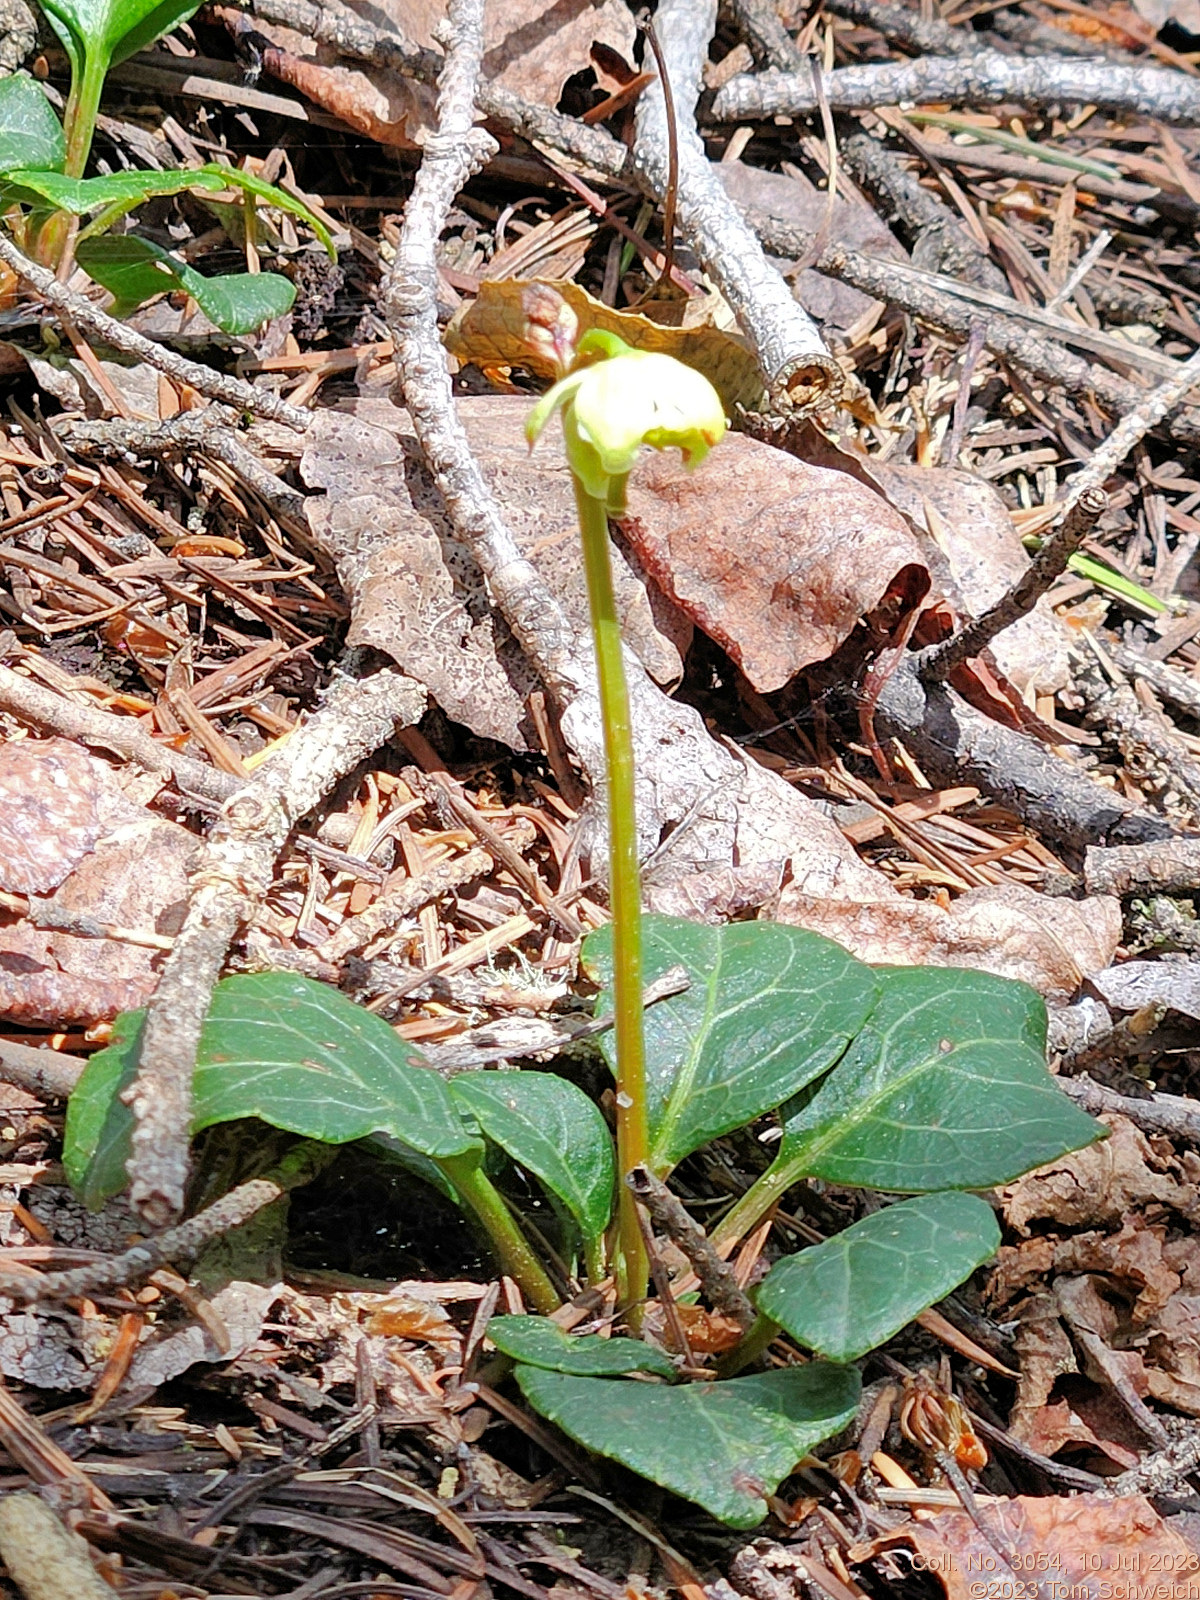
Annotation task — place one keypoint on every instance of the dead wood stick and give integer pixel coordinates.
(954, 743)
(209, 432)
(1150, 743)
(716, 1276)
(1133, 428)
(981, 79)
(184, 1242)
(682, 771)
(41, 707)
(1171, 866)
(896, 23)
(1171, 1114)
(770, 43)
(218, 385)
(937, 662)
(403, 899)
(1180, 688)
(356, 717)
(941, 240)
(45, 1559)
(452, 155)
(46, 1073)
(798, 369)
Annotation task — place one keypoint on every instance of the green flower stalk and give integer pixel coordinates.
(612, 407)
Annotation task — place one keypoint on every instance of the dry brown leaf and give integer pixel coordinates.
(1084, 1546)
(776, 560)
(1098, 1185)
(133, 877)
(51, 811)
(378, 104)
(975, 533)
(405, 1317)
(1007, 929)
(528, 46)
(491, 333)
(416, 594)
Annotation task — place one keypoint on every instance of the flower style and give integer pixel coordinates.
(629, 399)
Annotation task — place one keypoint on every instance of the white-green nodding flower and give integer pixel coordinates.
(630, 399)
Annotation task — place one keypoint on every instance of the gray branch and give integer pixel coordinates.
(985, 79)
(798, 369)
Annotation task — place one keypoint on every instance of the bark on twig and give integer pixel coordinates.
(954, 744)
(1169, 867)
(716, 1277)
(47, 1073)
(452, 154)
(982, 79)
(944, 304)
(205, 380)
(183, 1243)
(45, 1559)
(1084, 511)
(1150, 744)
(1174, 1115)
(402, 900)
(899, 25)
(208, 432)
(941, 241)
(356, 717)
(42, 708)
(798, 370)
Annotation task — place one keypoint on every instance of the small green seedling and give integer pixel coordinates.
(42, 184)
(929, 1082)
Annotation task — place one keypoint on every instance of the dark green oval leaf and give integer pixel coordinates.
(725, 1446)
(30, 133)
(550, 1127)
(769, 1009)
(946, 1087)
(846, 1296)
(290, 1051)
(538, 1342)
(134, 270)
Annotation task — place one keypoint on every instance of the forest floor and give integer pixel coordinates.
(940, 259)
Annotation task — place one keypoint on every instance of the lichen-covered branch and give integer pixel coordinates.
(798, 370)
(205, 380)
(233, 875)
(984, 79)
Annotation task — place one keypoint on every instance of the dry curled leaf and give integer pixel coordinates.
(491, 332)
(111, 864)
(1098, 1185)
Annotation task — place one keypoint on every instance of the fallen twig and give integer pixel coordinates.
(717, 1278)
(356, 717)
(44, 1559)
(1169, 867)
(206, 380)
(46, 1073)
(44, 709)
(798, 370)
(982, 79)
(299, 1166)
(1084, 511)
(954, 744)
(1154, 752)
